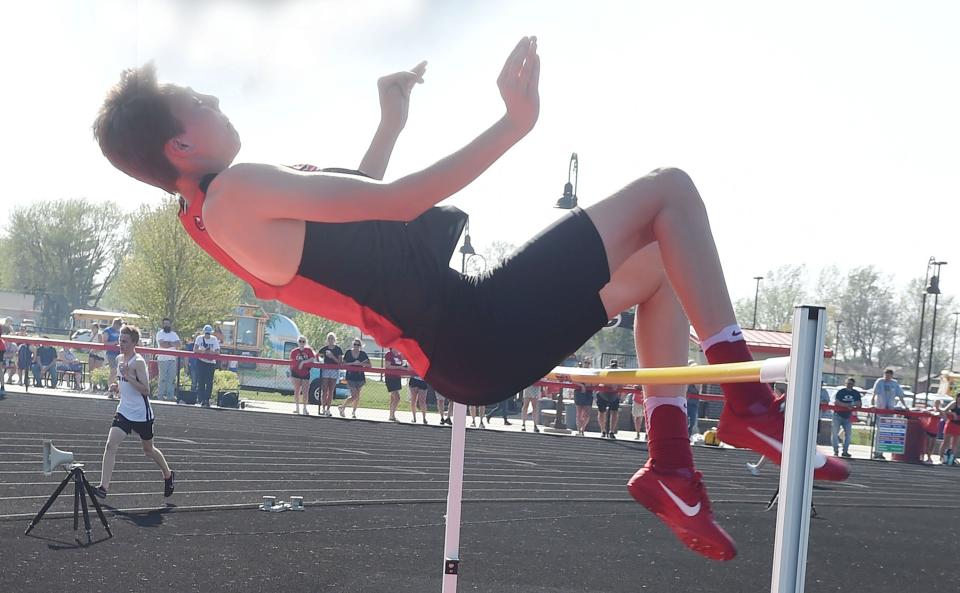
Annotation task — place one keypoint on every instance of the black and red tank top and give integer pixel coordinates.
(392, 287)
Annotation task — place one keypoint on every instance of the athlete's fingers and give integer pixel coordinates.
(510, 67)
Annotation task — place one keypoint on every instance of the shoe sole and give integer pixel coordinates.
(689, 538)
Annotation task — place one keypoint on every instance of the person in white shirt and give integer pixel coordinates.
(167, 339)
(133, 412)
(206, 343)
(69, 363)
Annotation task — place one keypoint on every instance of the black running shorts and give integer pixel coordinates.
(547, 295)
(144, 429)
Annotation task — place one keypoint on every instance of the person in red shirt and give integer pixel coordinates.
(300, 374)
(393, 360)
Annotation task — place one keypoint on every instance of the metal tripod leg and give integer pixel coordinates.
(96, 504)
(49, 502)
(82, 496)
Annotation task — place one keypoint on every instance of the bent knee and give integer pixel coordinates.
(677, 185)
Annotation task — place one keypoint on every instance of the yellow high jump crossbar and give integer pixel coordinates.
(770, 370)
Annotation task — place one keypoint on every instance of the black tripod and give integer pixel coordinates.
(81, 489)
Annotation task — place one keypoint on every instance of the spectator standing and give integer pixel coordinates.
(3, 362)
(167, 339)
(885, 390)
(418, 397)
(69, 363)
(45, 364)
(583, 401)
(931, 428)
(608, 407)
(332, 354)
(10, 361)
(356, 357)
(207, 344)
(393, 360)
(848, 399)
(503, 406)
(300, 374)
(693, 410)
(444, 408)
(24, 361)
(636, 410)
(94, 357)
(951, 432)
(531, 400)
(111, 337)
(474, 415)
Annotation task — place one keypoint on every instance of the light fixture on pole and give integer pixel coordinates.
(756, 296)
(934, 289)
(569, 199)
(836, 348)
(466, 249)
(923, 310)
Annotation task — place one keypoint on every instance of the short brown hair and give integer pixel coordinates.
(132, 331)
(134, 124)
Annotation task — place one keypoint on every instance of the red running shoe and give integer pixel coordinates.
(679, 499)
(763, 433)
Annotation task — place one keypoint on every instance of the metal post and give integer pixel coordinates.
(451, 537)
(953, 350)
(923, 310)
(933, 341)
(836, 349)
(756, 296)
(799, 443)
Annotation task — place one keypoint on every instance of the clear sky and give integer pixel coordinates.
(818, 132)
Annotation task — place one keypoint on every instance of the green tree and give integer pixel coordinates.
(780, 291)
(166, 274)
(66, 252)
(316, 329)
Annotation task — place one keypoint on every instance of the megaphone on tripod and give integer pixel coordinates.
(54, 458)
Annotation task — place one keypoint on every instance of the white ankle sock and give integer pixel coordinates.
(650, 403)
(731, 333)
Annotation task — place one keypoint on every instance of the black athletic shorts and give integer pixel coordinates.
(608, 401)
(548, 292)
(144, 429)
(393, 382)
(418, 383)
(582, 398)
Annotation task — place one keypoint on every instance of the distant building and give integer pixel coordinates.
(19, 306)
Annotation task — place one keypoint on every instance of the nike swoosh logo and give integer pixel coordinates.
(690, 511)
(819, 460)
(736, 333)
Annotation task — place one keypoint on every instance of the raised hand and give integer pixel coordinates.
(394, 92)
(519, 85)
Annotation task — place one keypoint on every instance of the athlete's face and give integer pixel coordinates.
(126, 344)
(208, 138)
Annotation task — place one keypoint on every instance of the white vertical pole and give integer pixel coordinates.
(451, 539)
(799, 445)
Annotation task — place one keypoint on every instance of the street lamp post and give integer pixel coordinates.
(934, 289)
(756, 296)
(567, 201)
(923, 310)
(953, 350)
(836, 348)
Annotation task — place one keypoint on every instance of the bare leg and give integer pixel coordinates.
(114, 438)
(665, 207)
(394, 403)
(157, 456)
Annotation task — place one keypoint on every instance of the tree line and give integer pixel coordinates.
(879, 322)
(76, 254)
